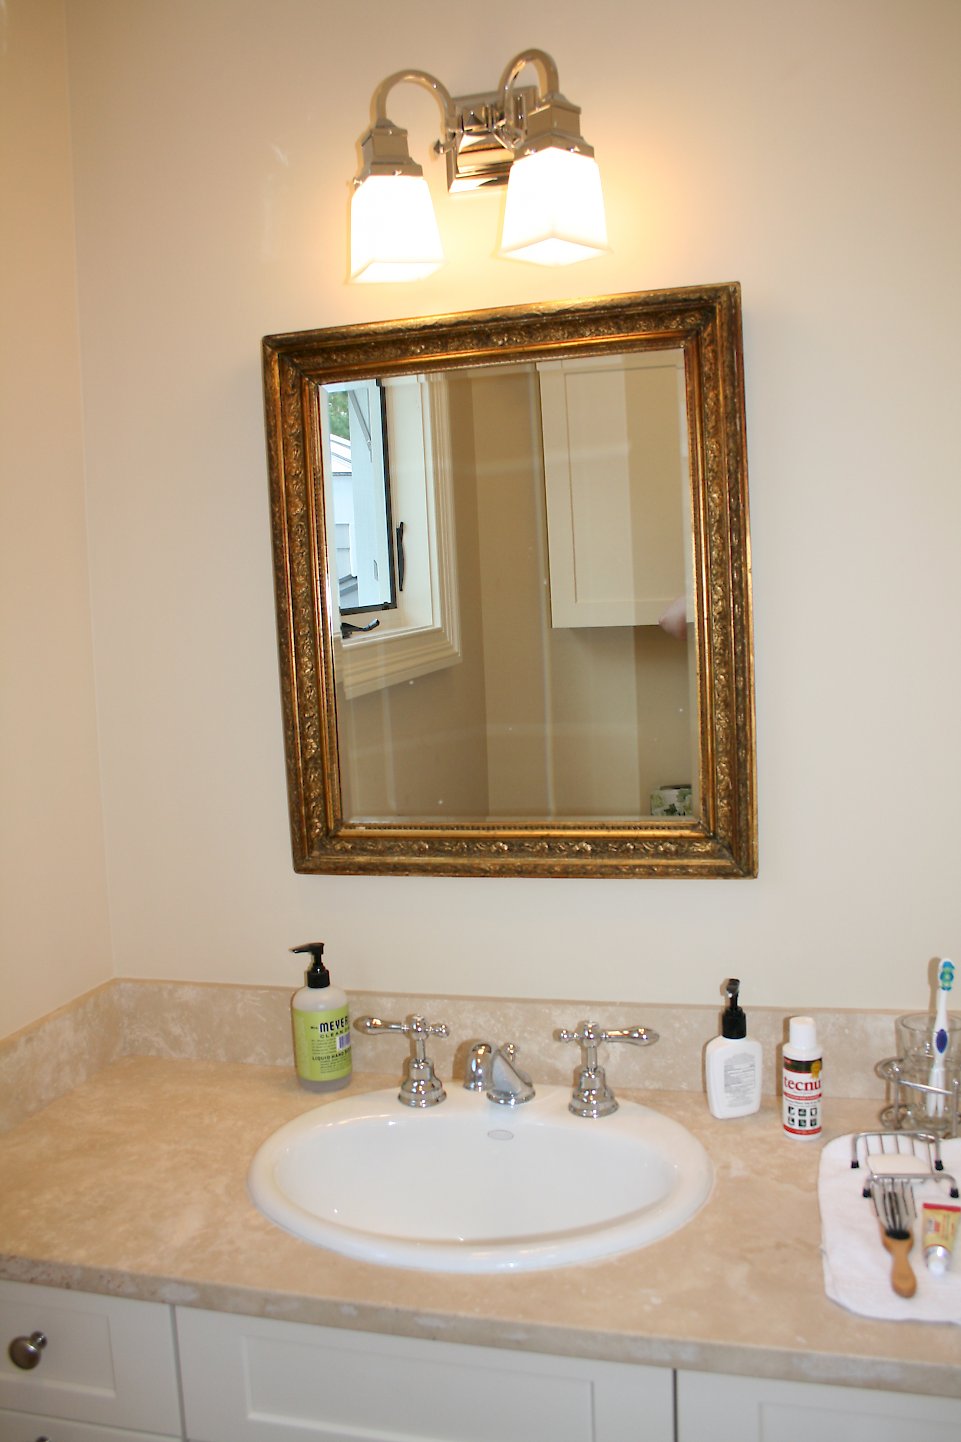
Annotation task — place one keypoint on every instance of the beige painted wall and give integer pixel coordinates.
(54, 940)
(809, 152)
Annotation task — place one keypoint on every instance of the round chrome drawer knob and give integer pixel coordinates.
(25, 1352)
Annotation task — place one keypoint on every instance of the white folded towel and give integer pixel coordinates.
(857, 1268)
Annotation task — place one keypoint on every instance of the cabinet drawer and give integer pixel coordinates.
(251, 1379)
(26, 1427)
(107, 1360)
(712, 1408)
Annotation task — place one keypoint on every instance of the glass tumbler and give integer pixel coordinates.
(926, 1110)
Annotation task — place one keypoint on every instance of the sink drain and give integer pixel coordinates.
(501, 1135)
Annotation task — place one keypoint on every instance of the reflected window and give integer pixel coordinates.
(388, 509)
(355, 427)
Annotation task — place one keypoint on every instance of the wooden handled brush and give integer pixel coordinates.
(894, 1204)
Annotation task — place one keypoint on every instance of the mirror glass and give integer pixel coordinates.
(571, 689)
(514, 591)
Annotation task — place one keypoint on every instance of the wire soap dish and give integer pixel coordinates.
(899, 1156)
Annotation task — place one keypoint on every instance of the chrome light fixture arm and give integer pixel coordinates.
(552, 120)
(384, 146)
(550, 82)
(378, 103)
(513, 131)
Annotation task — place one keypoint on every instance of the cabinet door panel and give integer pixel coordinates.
(28, 1427)
(712, 1408)
(258, 1380)
(107, 1360)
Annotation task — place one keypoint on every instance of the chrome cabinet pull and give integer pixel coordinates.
(25, 1352)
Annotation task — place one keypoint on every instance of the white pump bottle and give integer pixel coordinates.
(732, 1063)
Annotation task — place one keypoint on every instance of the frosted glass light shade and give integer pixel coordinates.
(393, 230)
(554, 212)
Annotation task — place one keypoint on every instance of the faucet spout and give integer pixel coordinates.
(510, 1085)
(495, 1071)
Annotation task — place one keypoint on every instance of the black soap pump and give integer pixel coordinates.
(732, 1062)
(321, 1025)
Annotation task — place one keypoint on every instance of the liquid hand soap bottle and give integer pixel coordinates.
(321, 1023)
(732, 1063)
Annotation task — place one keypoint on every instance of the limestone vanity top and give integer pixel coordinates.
(134, 1184)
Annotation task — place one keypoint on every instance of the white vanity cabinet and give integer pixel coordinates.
(108, 1372)
(714, 1408)
(248, 1379)
(104, 1368)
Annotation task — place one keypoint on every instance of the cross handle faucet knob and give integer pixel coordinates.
(420, 1087)
(592, 1097)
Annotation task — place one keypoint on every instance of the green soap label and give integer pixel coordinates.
(322, 1044)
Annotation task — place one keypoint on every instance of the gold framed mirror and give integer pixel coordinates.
(537, 659)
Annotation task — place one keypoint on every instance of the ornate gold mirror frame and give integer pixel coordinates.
(705, 323)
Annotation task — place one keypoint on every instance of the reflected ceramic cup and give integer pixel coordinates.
(672, 801)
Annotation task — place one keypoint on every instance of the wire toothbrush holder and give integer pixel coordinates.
(917, 1105)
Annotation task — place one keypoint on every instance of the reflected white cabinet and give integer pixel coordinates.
(618, 488)
(249, 1379)
(713, 1408)
(107, 1371)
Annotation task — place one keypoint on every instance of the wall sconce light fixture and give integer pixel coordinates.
(525, 137)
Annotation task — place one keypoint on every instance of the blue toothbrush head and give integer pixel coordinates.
(946, 975)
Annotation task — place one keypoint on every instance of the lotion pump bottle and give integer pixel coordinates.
(321, 1025)
(732, 1063)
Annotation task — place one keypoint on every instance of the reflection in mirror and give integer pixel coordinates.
(522, 643)
(353, 422)
(570, 694)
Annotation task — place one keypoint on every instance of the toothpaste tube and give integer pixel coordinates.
(939, 1229)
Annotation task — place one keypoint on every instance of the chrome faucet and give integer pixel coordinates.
(419, 1087)
(494, 1070)
(592, 1097)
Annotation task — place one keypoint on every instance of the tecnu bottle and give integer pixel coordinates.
(801, 1080)
(321, 1023)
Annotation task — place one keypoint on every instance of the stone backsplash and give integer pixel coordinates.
(204, 1021)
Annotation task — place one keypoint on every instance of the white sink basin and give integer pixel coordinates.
(470, 1186)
